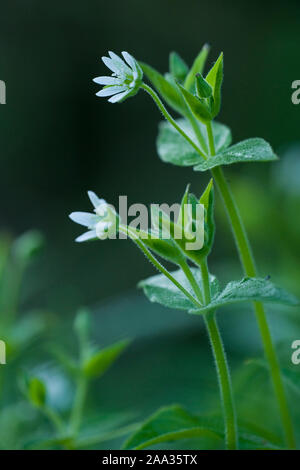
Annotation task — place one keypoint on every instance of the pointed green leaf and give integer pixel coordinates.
(161, 290)
(5, 244)
(96, 365)
(36, 392)
(215, 79)
(167, 90)
(177, 66)
(197, 105)
(197, 67)
(173, 148)
(203, 88)
(250, 150)
(155, 241)
(204, 199)
(169, 424)
(248, 290)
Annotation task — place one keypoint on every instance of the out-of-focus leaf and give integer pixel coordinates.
(161, 290)
(290, 376)
(173, 148)
(99, 362)
(167, 90)
(249, 289)
(27, 329)
(168, 425)
(36, 391)
(250, 150)
(203, 88)
(28, 245)
(197, 67)
(65, 360)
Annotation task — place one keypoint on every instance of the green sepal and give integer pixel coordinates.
(197, 67)
(215, 79)
(203, 89)
(165, 88)
(154, 240)
(198, 106)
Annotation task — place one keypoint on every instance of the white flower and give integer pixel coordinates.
(125, 80)
(102, 224)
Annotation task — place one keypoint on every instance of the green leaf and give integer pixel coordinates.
(203, 88)
(173, 148)
(36, 392)
(248, 290)
(204, 199)
(96, 365)
(28, 245)
(167, 90)
(177, 66)
(197, 105)
(5, 244)
(155, 241)
(169, 424)
(215, 79)
(197, 67)
(250, 150)
(161, 290)
(290, 376)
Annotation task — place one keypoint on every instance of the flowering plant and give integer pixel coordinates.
(194, 140)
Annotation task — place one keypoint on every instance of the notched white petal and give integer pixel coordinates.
(84, 218)
(119, 97)
(110, 64)
(111, 90)
(90, 235)
(107, 81)
(95, 200)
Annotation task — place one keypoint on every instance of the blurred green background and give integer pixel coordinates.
(58, 140)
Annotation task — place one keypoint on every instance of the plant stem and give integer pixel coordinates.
(169, 118)
(190, 276)
(221, 365)
(54, 418)
(126, 230)
(78, 405)
(247, 260)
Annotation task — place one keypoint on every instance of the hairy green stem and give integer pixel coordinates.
(221, 365)
(169, 118)
(247, 260)
(126, 230)
(191, 278)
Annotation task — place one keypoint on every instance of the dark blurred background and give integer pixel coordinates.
(58, 139)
